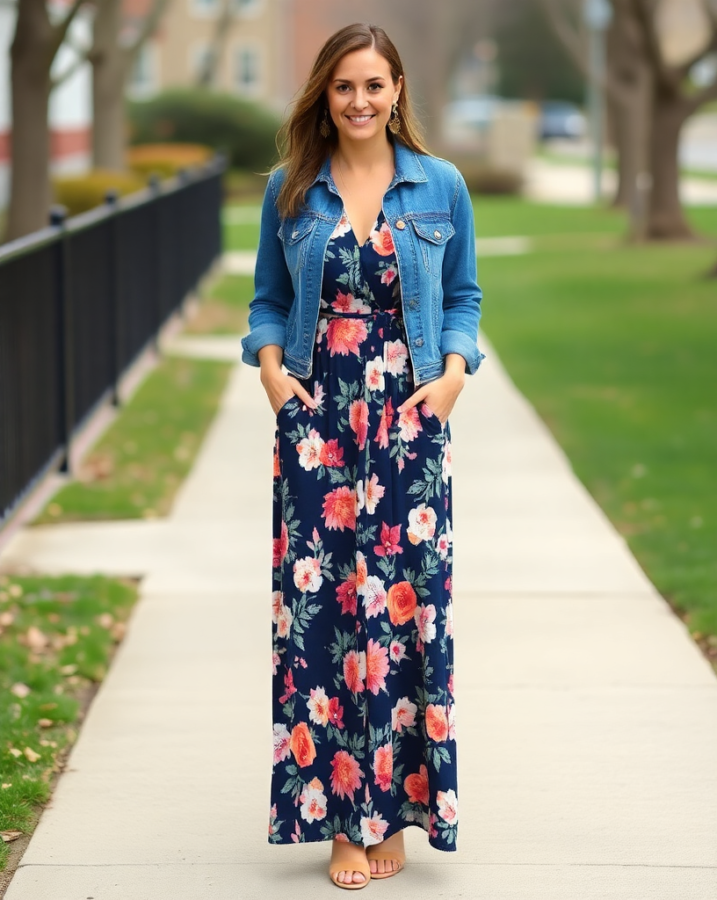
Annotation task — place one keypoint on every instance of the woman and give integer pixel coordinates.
(366, 293)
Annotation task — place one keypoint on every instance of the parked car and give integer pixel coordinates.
(560, 119)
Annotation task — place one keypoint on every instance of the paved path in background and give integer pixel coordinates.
(587, 716)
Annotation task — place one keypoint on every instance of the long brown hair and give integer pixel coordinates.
(302, 148)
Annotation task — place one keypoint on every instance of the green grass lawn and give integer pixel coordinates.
(136, 467)
(615, 346)
(57, 636)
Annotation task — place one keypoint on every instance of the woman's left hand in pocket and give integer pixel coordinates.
(439, 395)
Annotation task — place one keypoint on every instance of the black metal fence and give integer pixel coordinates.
(80, 300)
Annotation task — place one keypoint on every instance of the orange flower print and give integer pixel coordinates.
(302, 745)
(377, 666)
(277, 464)
(401, 602)
(354, 670)
(331, 454)
(344, 336)
(382, 240)
(346, 774)
(383, 766)
(361, 571)
(340, 509)
(436, 722)
(358, 420)
(416, 786)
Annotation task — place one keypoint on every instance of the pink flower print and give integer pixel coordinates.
(383, 766)
(425, 617)
(396, 357)
(373, 829)
(376, 666)
(280, 546)
(331, 454)
(403, 714)
(374, 374)
(313, 801)
(382, 240)
(421, 524)
(409, 424)
(447, 462)
(336, 713)
(344, 336)
(346, 774)
(354, 670)
(309, 450)
(389, 273)
(358, 420)
(346, 595)
(318, 704)
(384, 425)
(396, 651)
(343, 227)
(374, 596)
(390, 541)
(284, 618)
(288, 685)
(451, 722)
(369, 495)
(340, 509)
(447, 806)
(277, 601)
(307, 574)
(347, 303)
(281, 744)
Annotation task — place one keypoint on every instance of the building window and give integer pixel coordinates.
(247, 70)
(247, 7)
(205, 9)
(143, 79)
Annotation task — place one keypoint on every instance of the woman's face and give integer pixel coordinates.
(360, 94)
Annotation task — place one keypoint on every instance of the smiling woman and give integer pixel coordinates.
(366, 293)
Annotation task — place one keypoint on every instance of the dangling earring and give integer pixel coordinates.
(324, 127)
(394, 123)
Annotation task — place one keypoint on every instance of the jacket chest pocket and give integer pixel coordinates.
(295, 235)
(432, 235)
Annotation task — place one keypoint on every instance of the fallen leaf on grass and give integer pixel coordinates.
(45, 723)
(13, 751)
(31, 755)
(6, 618)
(20, 690)
(106, 620)
(8, 836)
(35, 639)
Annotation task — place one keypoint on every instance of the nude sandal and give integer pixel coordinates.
(343, 860)
(376, 851)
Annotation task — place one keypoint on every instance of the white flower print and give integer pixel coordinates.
(343, 227)
(318, 704)
(281, 742)
(370, 495)
(313, 801)
(374, 374)
(425, 617)
(283, 621)
(309, 450)
(373, 829)
(447, 806)
(421, 524)
(374, 596)
(403, 714)
(307, 574)
(396, 355)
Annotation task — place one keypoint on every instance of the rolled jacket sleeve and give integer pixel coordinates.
(461, 294)
(273, 287)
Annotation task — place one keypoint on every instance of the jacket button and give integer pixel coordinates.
(400, 224)
(436, 234)
(418, 342)
(294, 234)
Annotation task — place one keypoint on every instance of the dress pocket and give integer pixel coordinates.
(286, 406)
(429, 418)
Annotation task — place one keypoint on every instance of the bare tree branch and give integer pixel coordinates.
(60, 30)
(149, 26)
(668, 77)
(711, 13)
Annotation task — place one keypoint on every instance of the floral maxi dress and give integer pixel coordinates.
(363, 710)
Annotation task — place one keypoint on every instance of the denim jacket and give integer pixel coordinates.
(429, 212)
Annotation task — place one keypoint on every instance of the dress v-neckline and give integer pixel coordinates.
(374, 227)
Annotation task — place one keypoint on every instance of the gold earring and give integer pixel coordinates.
(324, 127)
(394, 123)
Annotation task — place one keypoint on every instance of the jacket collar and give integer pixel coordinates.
(407, 163)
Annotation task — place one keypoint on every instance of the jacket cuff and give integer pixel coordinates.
(259, 337)
(458, 342)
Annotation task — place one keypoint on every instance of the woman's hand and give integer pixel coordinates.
(441, 394)
(279, 386)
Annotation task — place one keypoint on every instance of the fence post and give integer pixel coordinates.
(65, 375)
(155, 187)
(115, 326)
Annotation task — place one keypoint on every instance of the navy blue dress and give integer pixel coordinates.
(363, 707)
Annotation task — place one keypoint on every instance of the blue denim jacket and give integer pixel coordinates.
(429, 212)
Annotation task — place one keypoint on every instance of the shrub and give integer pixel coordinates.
(78, 193)
(244, 131)
(165, 160)
(487, 178)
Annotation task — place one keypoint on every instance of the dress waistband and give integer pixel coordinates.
(396, 313)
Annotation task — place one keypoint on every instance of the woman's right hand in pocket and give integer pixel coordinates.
(281, 388)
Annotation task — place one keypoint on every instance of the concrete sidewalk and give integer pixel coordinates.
(587, 717)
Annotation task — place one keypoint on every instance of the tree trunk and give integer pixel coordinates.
(666, 220)
(110, 67)
(31, 57)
